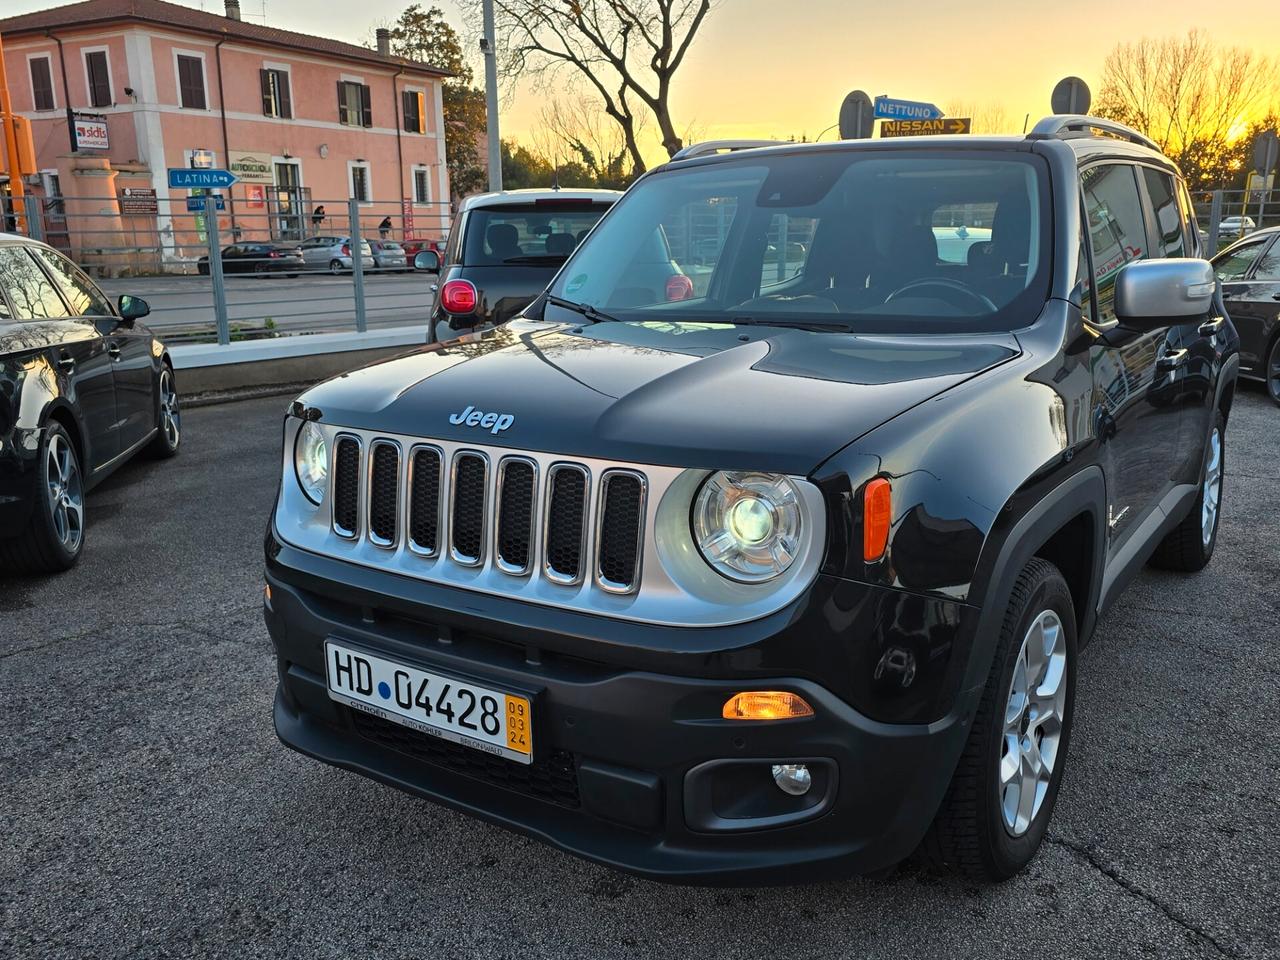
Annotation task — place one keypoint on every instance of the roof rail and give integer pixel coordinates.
(708, 147)
(1065, 125)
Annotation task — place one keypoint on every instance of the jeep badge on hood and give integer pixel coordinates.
(495, 423)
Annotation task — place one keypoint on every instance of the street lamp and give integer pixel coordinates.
(487, 46)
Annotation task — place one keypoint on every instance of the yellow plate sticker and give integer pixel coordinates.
(519, 725)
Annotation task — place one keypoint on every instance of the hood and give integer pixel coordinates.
(694, 395)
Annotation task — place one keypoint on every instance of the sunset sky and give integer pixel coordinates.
(767, 68)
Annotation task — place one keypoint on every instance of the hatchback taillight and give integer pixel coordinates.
(679, 287)
(346, 250)
(459, 296)
(275, 254)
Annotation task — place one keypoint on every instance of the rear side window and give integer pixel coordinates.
(30, 292)
(1171, 235)
(1117, 234)
(86, 300)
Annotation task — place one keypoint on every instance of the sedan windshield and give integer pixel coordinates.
(948, 241)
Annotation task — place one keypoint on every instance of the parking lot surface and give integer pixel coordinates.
(149, 810)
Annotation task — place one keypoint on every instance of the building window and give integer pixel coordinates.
(276, 101)
(421, 185)
(191, 82)
(360, 189)
(415, 111)
(53, 204)
(354, 105)
(42, 83)
(98, 74)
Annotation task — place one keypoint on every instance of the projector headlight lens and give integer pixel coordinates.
(747, 525)
(311, 461)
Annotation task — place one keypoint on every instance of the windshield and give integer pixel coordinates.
(528, 233)
(948, 241)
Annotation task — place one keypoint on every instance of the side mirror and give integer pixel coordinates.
(427, 261)
(132, 308)
(1151, 293)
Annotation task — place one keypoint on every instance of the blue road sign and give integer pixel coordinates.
(196, 204)
(185, 178)
(890, 109)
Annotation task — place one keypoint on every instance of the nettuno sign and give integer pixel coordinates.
(251, 167)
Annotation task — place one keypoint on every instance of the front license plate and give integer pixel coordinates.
(494, 721)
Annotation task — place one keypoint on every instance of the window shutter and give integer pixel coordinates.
(41, 84)
(342, 102)
(407, 105)
(366, 106)
(286, 101)
(422, 111)
(268, 102)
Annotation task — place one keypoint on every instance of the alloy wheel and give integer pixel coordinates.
(170, 412)
(1211, 495)
(66, 493)
(1032, 722)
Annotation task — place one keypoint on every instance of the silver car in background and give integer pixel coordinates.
(389, 255)
(334, 253)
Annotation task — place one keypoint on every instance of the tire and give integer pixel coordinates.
(335, 267)
(168, 439)
(202, 269)
(54, 537)
(975, 832)
(292, 276)
(1272, 370)
(1188, 547)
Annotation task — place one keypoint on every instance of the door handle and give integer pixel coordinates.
(1210, 328)
(1172, 360)
(114, 351)
(1275, 296)
(67, 362)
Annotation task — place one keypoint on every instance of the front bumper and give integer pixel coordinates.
(634, 766)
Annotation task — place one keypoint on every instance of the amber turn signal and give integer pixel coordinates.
(877, 513)
(766, 705)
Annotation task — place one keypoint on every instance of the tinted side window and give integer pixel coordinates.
(1236, 264)
(86, 300)
(1193, 226)
(1171, 237)
(1269, 265)
(32, 295)
(1117, 234)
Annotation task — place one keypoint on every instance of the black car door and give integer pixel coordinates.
(128, 347)
(1135, 413)
(73, 349)
(1250, 275)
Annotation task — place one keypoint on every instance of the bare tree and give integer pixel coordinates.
(577, 129)
(1192, 98)
(626, 52)
(988, 116)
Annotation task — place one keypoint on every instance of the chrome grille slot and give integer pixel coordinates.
(565, 530)
(346, 486)
(468, 508)
(517, 490)
(425, 467)
(384, 492)
(620, 531)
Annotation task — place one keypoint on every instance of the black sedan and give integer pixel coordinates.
(1250, 275)
(83, 386)
(257, 258)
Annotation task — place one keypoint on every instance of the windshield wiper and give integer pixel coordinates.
(795, 323)
(585, 309)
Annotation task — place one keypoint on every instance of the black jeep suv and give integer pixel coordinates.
(784, 574)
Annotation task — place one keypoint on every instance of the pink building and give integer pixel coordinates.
(151, 85)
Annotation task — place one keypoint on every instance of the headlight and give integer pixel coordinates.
(747, 525)
(311, 461)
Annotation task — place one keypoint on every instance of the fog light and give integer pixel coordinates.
(792, 778)
(766, 705)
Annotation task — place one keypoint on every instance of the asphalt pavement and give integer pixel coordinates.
(149, 811)
(313, 302)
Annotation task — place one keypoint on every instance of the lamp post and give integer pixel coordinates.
(487, 45)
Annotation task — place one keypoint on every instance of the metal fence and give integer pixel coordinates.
(213, 268)
(1225, 216)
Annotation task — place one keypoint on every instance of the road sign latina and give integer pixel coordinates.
(924, 128)
(185, 178)
(888, 108)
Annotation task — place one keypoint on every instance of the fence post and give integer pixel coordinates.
(215, 268)
(35, 223)
(357, 263)
(1215, 218)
